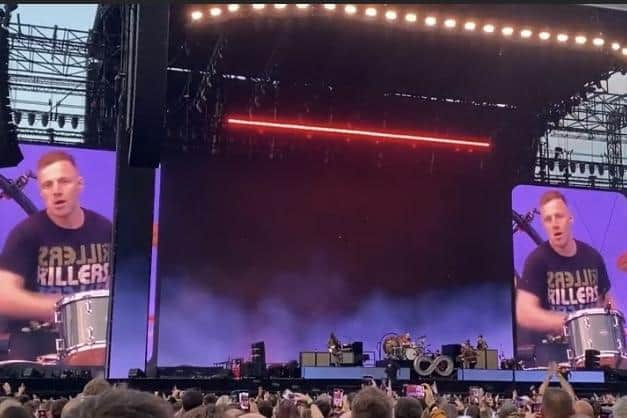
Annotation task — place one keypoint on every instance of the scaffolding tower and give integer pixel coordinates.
(586, 148)
(48, 68)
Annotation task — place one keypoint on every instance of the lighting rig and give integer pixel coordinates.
(48, 78)
(596, 119)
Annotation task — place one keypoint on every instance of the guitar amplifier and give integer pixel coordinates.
(307, 359)
(348, 358)
(487, 359)
(323, 359)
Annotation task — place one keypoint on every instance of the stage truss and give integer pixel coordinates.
(49, 84)
(599, 124)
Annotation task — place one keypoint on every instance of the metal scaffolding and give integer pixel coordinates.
(599, 122)
(48, 67)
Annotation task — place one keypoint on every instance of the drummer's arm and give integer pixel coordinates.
(17, 302)
(531, 315)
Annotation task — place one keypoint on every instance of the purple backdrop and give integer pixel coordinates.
(286, 252)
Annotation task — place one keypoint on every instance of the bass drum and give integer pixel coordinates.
(411, 353)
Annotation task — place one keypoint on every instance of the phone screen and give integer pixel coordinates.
(338, 398)
(244, 403)
(415, 391)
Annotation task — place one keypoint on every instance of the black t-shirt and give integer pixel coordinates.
(52, 259)
(565, 284)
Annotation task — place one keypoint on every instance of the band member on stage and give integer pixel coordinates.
(335, 348)
(482, 344)
(561, 275)
(60, 250)
(468, 355)
(405, 340)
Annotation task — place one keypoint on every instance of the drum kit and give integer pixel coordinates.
(401, 347)
(599, 329)
(80, 321)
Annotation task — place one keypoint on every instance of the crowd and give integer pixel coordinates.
(99, 399)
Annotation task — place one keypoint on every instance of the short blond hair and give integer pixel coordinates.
(55, 156)
(552, 195)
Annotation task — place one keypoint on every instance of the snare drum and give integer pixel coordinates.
(595, 329)
(82, 321)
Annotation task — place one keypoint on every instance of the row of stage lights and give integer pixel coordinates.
(390, 15)
(45, 118)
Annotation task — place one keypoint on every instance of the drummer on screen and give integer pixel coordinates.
(60, 250)
(561, 275)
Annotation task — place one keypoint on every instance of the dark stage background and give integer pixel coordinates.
(287, 250)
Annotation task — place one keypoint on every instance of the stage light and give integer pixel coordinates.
(450, 23)
(259, 6)
(470, 25)
(74, 122)
(302, 6)
(507, 31)
(350, 9)
(17, 117)
(371, 12)
(615, 46)
(582, 167)
(390, 15)
(196, 15)
(431, 21)
(31, 119)
(215, 11)
(598, 42)
(411, 17)
(624, 51)
(562, 37)
(232, 8)
(580, 40)
(488, 28)
(44, 119)
(526, 33)
(545, 36)
(355, 132)
(61, 121)
(280, 6)
(329, 6)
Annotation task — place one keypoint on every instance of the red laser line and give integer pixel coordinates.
(355, 132)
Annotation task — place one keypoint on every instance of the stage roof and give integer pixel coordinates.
(370, 55)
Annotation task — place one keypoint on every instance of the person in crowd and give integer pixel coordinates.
(557, 403)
